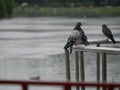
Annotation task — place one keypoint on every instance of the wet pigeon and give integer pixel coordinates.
(76, 37)
(107, 32)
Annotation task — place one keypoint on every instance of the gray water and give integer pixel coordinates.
(31, 47)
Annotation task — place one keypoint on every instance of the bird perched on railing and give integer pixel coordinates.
(76, 37)
(107, 32)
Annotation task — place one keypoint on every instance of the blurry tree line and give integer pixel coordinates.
(6, 8)
(70, 2)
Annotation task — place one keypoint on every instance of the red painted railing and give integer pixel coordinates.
(65, 85)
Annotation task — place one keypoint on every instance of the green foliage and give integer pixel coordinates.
(2, 9)
(6, 8)
(65, 3)
(97, 2)
(66, 11)
(9, 7)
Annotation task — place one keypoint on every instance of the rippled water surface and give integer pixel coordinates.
(31, 47)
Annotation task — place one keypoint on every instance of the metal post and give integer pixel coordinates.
(98, 67)
(66, 88)
(24, 87)
(67, 64)
(104, 68)
(77, 68)
(110, 88)
(82, 68)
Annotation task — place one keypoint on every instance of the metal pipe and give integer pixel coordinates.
(24, 87)
(65, 85)
(110, 88)
(104, 68)
(82, 70)
(67, 88)
(77, 68)
(98, 67)
(67, 62)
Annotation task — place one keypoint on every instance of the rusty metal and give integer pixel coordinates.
(66, 85)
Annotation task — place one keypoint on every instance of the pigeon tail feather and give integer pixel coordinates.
(71, 48)
(113, 40)
(70, 44)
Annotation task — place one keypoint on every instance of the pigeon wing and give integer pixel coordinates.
(107, 32)
(77, 35)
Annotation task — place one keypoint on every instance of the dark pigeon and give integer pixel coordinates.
(76, 37)
(107, 32)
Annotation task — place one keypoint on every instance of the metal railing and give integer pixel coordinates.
(79, 60)
(65, 85)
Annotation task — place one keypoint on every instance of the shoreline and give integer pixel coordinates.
(82, 12)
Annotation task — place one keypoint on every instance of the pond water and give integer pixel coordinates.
(31, 47)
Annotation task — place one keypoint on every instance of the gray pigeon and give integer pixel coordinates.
(107, 32)
(76, 37)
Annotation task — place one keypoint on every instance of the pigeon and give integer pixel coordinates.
(107, 32)
(76, 37)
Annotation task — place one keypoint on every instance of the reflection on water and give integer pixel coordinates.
(34, 47)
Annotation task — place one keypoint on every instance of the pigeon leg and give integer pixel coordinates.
(77, 44)
(107, 39)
